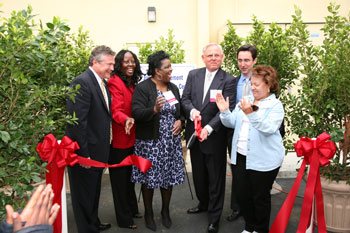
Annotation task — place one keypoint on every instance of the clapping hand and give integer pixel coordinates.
(246, 106)
(221, 103)
(160, 102)
(39, 210)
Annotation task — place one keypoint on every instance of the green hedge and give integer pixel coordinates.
(38, 61)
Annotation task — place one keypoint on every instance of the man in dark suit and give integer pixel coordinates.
(208, 155)
(93, 133)
(247, 58)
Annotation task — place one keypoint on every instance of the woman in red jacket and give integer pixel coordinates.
(127, 73)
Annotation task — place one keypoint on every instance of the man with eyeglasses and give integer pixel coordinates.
(93, 133)
(208, 153)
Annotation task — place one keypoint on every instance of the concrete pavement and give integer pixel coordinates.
(181, 201)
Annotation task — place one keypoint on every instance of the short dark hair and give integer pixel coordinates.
(251, 48)
(98, 52)
(269, 75)
(155, 61)
(136, 77)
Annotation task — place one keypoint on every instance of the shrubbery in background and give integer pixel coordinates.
(37, 63)
(319, 77)
(169, 45)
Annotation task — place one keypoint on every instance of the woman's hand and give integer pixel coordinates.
(160, 102)
(246, 106)
(129, 123)
(177, 127)
(221, 103)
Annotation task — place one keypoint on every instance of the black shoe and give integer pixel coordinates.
(104, 226)
(196, 210)
(150, 224)
(213, 228)
(234, 215)
(137, 215)
(166, 220)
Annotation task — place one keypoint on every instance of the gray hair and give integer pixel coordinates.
(213, 44)
(98, 53)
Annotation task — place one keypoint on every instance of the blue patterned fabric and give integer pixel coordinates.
(165, 154)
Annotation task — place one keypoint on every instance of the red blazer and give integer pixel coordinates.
(121, 109)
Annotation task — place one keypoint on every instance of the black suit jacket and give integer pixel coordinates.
(143, 100)
(94, 118)
(192, 98)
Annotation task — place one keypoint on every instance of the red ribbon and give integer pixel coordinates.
(316, 152)
(58, 156)
(198, 127)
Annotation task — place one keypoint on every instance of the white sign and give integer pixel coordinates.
(178, 76)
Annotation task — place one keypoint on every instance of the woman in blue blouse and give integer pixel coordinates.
(257, 148)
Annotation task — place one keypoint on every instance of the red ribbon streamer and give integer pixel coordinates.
(198, 127)
(58, 156)
(316, 152)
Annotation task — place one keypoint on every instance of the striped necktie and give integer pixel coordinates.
(103, 89)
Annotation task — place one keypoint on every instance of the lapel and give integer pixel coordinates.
(200, 86)
(121, 82)
(215, 85)
(109, 97)
(99, 91)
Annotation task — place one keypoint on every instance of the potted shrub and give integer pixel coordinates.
(322, 104)
(319, 100)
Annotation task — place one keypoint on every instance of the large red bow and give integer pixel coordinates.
(62, 153)
(58, 156)
(306, 146)
(316, 152)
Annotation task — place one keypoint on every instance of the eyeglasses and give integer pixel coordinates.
(255, 107)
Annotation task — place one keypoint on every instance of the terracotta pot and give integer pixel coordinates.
(336, 198)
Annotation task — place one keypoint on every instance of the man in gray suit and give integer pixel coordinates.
(208, 155)
(93, 133)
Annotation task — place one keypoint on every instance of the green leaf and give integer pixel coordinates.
(36, 179)
(65, 28)
(50, 25)
(24, 81)
(5, 136)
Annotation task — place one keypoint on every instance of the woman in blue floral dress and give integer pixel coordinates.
(157, 113)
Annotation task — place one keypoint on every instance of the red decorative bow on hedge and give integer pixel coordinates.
(58, 156)
(316, 152)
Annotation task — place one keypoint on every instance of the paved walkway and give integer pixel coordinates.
(181, 201)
